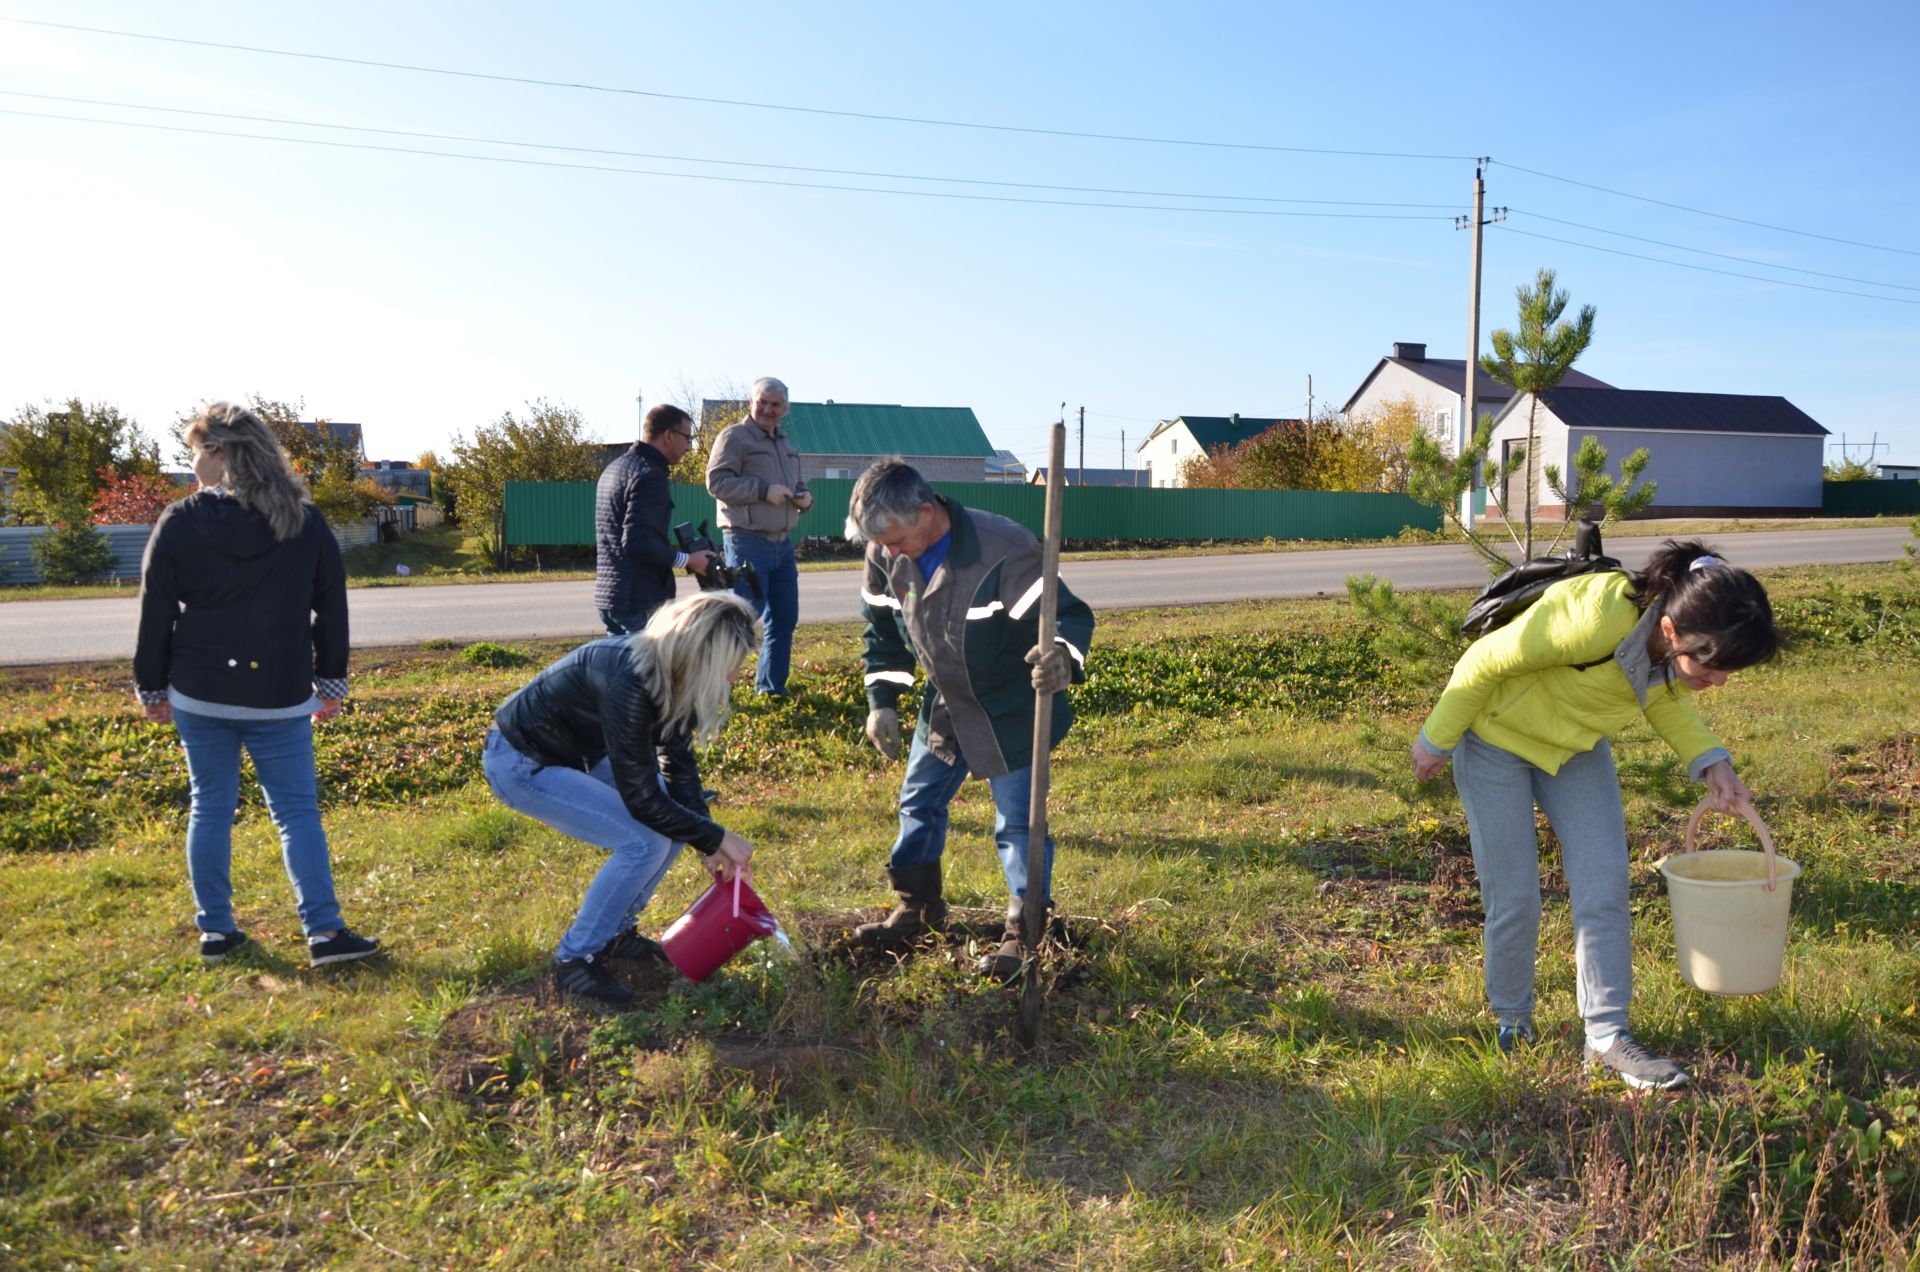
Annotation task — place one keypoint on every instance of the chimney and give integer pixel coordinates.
(1235, 421)
(1409, 352)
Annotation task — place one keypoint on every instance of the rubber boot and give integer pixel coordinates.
(918, 909)
(1004, 963)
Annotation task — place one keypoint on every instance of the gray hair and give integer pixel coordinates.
(890, 493)
(767, 384)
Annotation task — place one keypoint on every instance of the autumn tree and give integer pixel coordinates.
(131, 499)
(548, 443)
(60, 454)
(713, 412)
(1217, 468)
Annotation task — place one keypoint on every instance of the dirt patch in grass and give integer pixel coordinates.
(1883, 779)
(1401, 879)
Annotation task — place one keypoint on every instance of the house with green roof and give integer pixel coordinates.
(840, 439)
(1172, 442)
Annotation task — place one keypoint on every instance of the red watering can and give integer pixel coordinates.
(726, 919)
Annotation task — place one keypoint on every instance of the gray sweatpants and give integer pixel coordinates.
(1582, 802)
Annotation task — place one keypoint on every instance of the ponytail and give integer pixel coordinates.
(1722, 610)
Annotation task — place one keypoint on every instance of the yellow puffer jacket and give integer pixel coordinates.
(1522, 689)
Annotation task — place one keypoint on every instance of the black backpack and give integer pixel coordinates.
(1521, 586)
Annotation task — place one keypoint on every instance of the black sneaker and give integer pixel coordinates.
(1634, 1065)
(633, 947)
(1511, 1038)
(342, 947)
(584, 978)
(215, 946)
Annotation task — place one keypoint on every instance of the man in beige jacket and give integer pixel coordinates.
(753, 474)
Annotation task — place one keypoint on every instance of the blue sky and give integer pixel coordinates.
(424, 295)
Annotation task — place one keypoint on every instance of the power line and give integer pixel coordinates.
(731, 163)
(710, 176)
(1725, 256)
(729, 101)
(1738, 220)
(1708, 269)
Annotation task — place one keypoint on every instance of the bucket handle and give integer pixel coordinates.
(1753, 818)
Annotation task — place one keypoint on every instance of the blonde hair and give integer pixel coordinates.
(686, 654)
(259, 473)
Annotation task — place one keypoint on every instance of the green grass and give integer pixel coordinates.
(1264, 1040)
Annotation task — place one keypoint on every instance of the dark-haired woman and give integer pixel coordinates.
(1526, 719)
(599, 746)
(243, 644)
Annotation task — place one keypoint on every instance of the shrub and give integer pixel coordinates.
(485, 653)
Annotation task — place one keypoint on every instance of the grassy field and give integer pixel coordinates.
(1264, 1044)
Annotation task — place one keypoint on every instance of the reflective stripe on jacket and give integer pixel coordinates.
(970, 627)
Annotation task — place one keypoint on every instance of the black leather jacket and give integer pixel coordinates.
(593, 705)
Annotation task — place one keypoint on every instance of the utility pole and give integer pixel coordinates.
(1309, 400)
(1470, 381)
(640, 407)
(1083, 446)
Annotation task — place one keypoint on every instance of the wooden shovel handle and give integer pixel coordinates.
(1753, 819)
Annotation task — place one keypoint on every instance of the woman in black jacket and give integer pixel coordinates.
(243, 643)
(599, 746)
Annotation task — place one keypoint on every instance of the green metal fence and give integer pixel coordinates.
(552, 513)
(1869, 498)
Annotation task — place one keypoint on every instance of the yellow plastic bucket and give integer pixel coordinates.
(1730, 911)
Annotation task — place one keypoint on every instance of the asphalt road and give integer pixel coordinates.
(102, 630)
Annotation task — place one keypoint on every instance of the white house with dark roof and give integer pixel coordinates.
(1712, 454)
(1172, 442)
(1438, 388)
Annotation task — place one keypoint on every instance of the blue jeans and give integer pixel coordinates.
(586, 806)
(282, 752)
(779, 608)
(626, 623)
(1499, 790)
(930, 785)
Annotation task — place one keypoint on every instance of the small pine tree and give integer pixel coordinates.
(72, 550)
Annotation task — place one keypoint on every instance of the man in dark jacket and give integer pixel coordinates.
(632, 512)
(956, 592)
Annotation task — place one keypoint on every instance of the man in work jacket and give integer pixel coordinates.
(957, 593)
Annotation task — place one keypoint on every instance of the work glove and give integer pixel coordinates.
(1052, 672)
(777, 495)
(883, 730)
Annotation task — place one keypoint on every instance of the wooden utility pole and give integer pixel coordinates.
(1470, 381)
(1083, 446)
(1309, 399)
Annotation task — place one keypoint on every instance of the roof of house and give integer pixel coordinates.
(1660, 411)
(1076, 476)
(339, 432)
(1220, 430)
(860, 428)
(1451, 375)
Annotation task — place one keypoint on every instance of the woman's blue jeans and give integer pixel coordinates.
(586, 806)
(282, 752)
(929, 787)
(779, 605)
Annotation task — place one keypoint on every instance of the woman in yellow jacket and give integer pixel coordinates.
(1526, 719)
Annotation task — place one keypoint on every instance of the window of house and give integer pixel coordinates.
(841, 473)
(1174, 444)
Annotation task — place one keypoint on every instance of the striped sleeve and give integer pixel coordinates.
(886, 659)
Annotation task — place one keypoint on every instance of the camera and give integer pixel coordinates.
(719, 576)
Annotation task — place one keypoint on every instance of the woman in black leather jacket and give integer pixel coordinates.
(599, 746)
